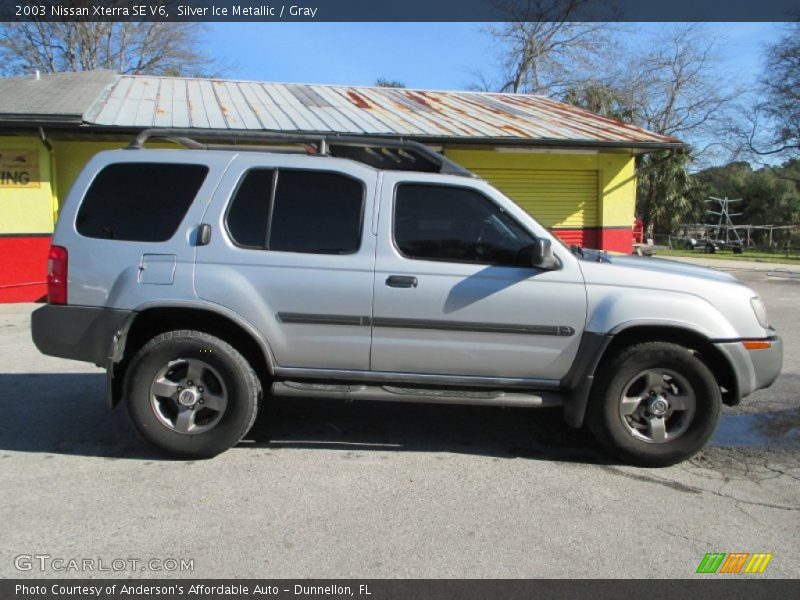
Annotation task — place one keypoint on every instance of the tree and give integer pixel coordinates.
(155, 48)
(666, 195)
(769, 196)
(781, 86)
(543, 49)
(674, 88)
(603, 99)
(675, 92)
(666, 85)
(389, 83)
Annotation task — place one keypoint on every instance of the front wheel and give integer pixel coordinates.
(655, 404)
(191, 394)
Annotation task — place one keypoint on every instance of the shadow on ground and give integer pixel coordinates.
(65, 413)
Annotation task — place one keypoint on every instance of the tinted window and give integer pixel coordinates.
(316, 212)
(142, 202)
(311, 211)
(249, 212)
(436, 222)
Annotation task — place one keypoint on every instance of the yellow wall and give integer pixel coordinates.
(27, 208)
(561, 190)
(617, 190)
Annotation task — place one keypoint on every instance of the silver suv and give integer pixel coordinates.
(207, 280)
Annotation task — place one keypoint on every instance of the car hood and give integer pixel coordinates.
(642, 264)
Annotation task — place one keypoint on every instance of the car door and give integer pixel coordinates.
(293, 252)
(453, 295)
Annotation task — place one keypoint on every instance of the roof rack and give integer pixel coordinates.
(382, 153)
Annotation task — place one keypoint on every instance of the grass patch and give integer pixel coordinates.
(747, 256)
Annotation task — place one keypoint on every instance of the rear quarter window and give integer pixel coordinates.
(142, 202)
(314, 212)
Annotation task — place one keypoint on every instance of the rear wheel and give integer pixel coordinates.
(191, 394)
(654, 404)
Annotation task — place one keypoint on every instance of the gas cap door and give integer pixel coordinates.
(157, 269)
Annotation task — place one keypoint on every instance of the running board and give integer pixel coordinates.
(392, 393)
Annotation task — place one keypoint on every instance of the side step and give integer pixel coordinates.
(392, 393)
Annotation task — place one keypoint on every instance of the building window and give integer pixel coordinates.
(456, 224)
(297, 211)
(142, 202)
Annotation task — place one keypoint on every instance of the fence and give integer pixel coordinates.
(776, 239)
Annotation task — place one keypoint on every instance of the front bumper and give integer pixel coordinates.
(754, 369)
(767, 363)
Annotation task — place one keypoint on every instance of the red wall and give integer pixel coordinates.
(23, 267)
(614, 239)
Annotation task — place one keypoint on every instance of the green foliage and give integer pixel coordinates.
(666, 194)
(770, 195)
(602, 99)
(389, 83)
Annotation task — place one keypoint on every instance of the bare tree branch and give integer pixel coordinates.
(155, 48)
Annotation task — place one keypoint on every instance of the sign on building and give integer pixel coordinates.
(19, 168)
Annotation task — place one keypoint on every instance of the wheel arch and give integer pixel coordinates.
(152, 319)
(596, 349)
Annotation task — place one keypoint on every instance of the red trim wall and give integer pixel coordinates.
(23, 267)
(615, 239)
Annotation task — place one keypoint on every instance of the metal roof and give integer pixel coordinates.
(137, 102)
(60, 97)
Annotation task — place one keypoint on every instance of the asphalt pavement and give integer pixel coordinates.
(334, 489)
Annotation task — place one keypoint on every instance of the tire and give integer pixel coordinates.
(624, 416)
(190, 394)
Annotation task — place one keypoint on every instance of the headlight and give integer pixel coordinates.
(760, 310)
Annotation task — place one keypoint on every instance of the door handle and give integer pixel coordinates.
(401, 281)
(203, 234)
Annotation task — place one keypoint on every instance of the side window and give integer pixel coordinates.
(446, 223)
(300, 211)
(143, 202)
(249, 212)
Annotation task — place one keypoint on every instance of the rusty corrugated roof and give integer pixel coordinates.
(143, 101)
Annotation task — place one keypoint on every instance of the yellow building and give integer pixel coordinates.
(573, 170)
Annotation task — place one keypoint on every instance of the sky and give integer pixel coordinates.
(421, 55)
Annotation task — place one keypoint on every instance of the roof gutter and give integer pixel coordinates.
(34, 121)
(68, 122)
(556, 143)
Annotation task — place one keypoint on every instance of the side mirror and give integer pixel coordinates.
(542, 255)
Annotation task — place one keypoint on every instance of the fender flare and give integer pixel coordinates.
(577, 383)
(116, 351)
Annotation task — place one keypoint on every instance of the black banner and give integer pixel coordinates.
(747, 587)
(399, 11)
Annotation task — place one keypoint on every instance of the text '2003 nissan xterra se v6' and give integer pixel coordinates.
(205, 280)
